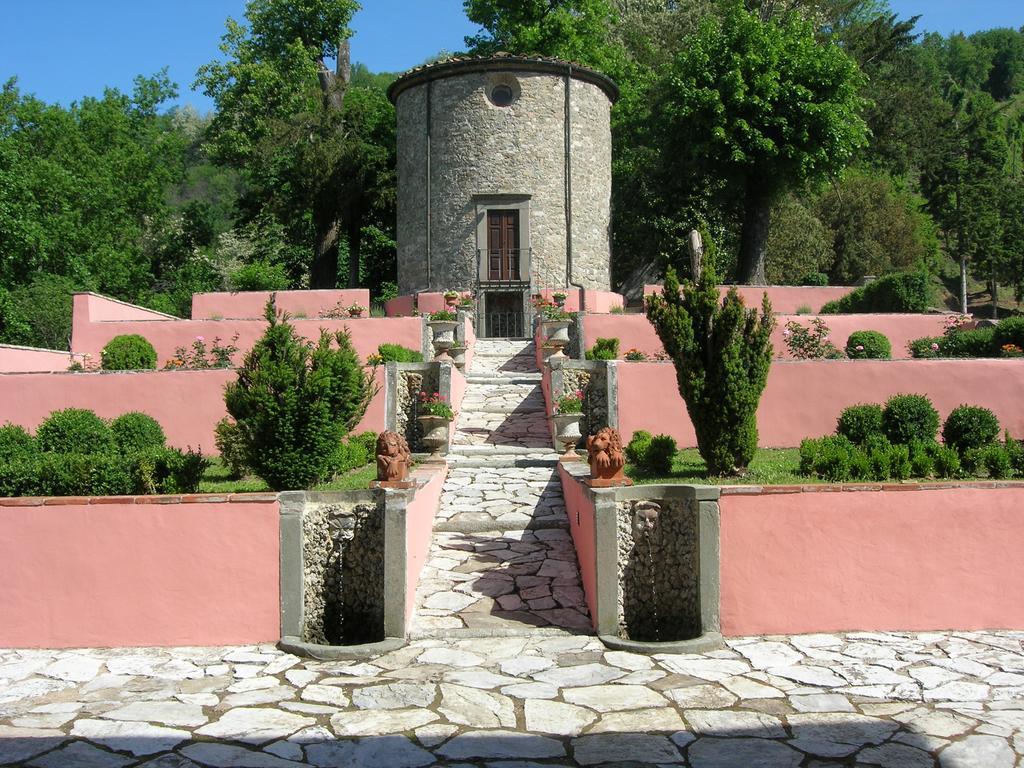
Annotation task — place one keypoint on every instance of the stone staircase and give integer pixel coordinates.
(501, 561)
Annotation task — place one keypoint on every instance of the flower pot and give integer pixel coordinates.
(451, 301)
(458, 353)
(556, 336)
(443, 336)
(567, 430)
(353, 313)
(434, 431)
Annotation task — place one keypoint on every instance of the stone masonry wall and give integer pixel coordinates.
(480, 151)
(343, 556)
(659, 573)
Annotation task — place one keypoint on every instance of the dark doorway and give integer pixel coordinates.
(503, 315)
(503, 245)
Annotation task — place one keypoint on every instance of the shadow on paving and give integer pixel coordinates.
(838, 740)
(531, 581)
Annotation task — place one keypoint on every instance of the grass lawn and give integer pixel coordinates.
(218, 480)
(771, 466)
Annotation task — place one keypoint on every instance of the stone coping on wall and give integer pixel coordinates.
(184, 498)
(768, 490)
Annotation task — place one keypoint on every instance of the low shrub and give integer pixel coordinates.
(832, 458)
(860, 422)
(660, 454)
(636, 451)
(971, 342)
(20, 475)
(396, 353)
(969, 426)
(128, 352)
(84, 474)
(1015, 448)
(927, 346)
(75, 430)
(604, 349)
(810, 343)
(814, 278)
(135, 431)
(997, 461)
(259, 276)
(922, 458)
(167, 470)
(231, 447)
(899, 292)
(16, 443)
(868, 345)
(947, 462)
(909, 417)
(1009, 332)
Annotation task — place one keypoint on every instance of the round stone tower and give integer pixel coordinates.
(504, 179)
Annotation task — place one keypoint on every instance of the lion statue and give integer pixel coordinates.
(604, 452)
(392, 457)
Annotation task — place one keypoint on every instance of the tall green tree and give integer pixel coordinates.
(762, 106)
(307, 142)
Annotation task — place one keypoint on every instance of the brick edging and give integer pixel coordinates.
(186, 498)
(770, 490)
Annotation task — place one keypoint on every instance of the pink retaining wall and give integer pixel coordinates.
(400, 306)
(583, 526)
(119, 573)
(249, 305)
(186, 403)
(636, 331)
(593, 301)
(880, 560)
(166, 336)
(803, 398)
(15, 359)
(785, 299)
(419, 530)
(103, 309)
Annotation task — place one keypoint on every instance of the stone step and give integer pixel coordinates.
(499, 450)
(500, 462)
(496, 631)
(483, 526)
(518, 409)
(504, 378)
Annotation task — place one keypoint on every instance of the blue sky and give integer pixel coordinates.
(64, 49)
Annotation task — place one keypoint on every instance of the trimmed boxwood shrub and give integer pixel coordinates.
(136, 431)
(129, 352)
(900, 292)
(167, 470)
(833, 458)
(860, 422)
(909, 417)
(75, 430)
(16, 443)
(927, 346)
(231, 448)
(396, 353)
(868, 345)
(636, 451)
(1008, 331)
(970, 426)
(997, 461)
(972, 342)
(660, 453)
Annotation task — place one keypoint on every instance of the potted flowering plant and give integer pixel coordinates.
(442, 327)
(635, 356)
(435, 414)
(554, 324)
(559, 298)
(451, 298)
(355, 310)
(568, 413)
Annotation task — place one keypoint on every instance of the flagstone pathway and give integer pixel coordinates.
(502, 561)
(895, 700)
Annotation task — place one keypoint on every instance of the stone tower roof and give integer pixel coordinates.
(499, 62)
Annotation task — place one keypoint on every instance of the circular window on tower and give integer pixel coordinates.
(503, 93)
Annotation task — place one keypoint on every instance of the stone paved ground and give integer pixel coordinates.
(501, 560)
(935, 700)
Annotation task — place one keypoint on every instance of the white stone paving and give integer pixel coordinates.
(515, 702)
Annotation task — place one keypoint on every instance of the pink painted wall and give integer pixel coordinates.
(400, 306)
(785, 299)
(367, 333)
(583, 526)
(250, 304)
(124, 574)
(419, 530)
(595, 301)
(803, 398)
(458, 391)
(186, 403)
(103, 309)
(634, 331)
(881, 560)
(15, 359)
(470, 340)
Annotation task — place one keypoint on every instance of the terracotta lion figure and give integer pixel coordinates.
(604, 452)
(392, 457)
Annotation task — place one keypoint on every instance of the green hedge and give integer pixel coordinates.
(129, 352)
(900, 292)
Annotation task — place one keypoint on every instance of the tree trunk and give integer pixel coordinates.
(994, 287)
(355, 231)
(754, 239)
(323, 272)
(963, 285)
